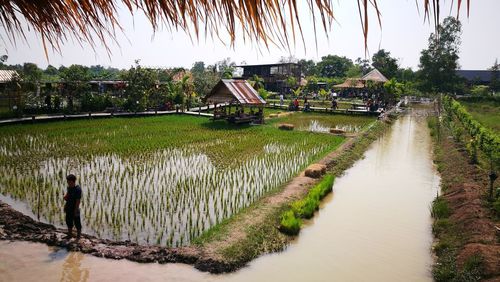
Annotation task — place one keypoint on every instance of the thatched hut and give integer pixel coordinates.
(240, 94)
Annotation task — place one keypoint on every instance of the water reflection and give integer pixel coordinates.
(72, 270)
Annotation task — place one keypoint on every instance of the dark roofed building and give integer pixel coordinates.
(476, 76)
(274, 75)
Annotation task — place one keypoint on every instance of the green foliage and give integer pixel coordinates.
(306, 207)
(334, 66)
(480, 90)
(472, 150)
(263, 93)
(386, 64)
(394, 88)
(291, 82)
(204, 78)
(141, 84)
(487, 141)
(289, 224)
(308, 67)
(440, 208)
(440, 225)
(495, 80)
(354, 71)
(439, 62)
(257, 82)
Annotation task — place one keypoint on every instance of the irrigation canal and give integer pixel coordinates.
(376, 226)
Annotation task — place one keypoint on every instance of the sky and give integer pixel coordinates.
(403, 32)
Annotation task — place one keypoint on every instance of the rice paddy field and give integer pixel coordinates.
(157, 180)
(486, 112)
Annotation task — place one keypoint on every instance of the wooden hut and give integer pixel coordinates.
(374, 76)
(228, 93)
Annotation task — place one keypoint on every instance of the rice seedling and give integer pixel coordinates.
(161, 180)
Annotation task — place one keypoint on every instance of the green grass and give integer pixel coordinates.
(486, 112)
(289, 223)
(305, 208)
(440, 208)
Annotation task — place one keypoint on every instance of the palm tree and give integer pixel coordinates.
(186, 87)
(257, 82)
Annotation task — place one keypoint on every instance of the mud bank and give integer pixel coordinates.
(16, 226)
(467, 237)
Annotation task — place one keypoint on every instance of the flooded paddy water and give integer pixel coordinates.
(375, 226)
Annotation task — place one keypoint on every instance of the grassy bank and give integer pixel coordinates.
(466, 245)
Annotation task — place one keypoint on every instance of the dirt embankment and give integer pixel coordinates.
(234, 243)
(464, 188)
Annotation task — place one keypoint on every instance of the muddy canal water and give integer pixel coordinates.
(376, 226)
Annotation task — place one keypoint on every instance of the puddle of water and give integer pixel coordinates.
(317, 126)
(376, 226)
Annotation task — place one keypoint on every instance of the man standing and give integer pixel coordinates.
(72, 206)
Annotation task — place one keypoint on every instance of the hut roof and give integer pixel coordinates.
(351, 83)
(233, 90)
(7, 75)
(374, 75)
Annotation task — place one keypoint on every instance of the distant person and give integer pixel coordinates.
(334, 104)
(296, 104)
(333, 95)
(72, 206)
(282, 99)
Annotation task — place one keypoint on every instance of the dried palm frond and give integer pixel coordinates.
(96, 21)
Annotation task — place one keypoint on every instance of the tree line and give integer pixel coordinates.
(160, 88)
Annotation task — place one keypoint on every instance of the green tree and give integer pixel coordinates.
(31, 73)
(386, 64)
(495, 82)
(308, 67)
(364, 65)
(257, 82)
(439, 61)
(333, 66)
(354, 71)
(204, 78)
(225, 68)
(141, 83)
(291, 82)
(75, 79)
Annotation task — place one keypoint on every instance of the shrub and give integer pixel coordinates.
(289, 223)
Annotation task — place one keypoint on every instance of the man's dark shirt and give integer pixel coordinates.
(74, 194)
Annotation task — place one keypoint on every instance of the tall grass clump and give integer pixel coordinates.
(306, 207)
(289, 223)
